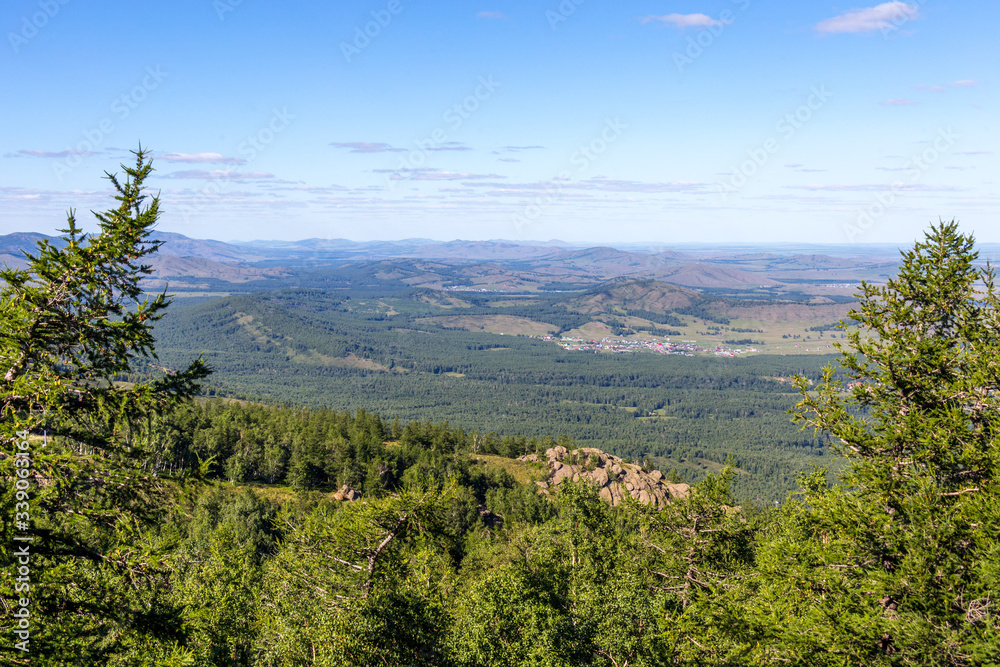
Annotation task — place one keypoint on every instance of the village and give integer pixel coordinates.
(687, 348)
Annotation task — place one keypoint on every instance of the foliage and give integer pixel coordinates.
(70, 323)
(682, 413)
(213, 532)
(889, 562)
(346, 590)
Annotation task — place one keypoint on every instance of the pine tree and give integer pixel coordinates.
(897, 562)
(72, 323)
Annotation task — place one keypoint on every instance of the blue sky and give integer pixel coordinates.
(586, 121)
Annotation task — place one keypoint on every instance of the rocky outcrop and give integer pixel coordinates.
(346, 493)
(616, 478)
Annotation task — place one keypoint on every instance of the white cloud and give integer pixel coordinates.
(874, 187)
(366, 147)
(451, 146)
(683, 21)
(25, 152)
(298, 187)
(17, 192)
(898, 101)
(220, 174)
(600, 184)
(870, 19)
(491, 15)
(431, 174)
(200, 158)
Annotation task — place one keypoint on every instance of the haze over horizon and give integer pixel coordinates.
(658, 122)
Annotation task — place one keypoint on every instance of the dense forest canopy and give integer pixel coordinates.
(319, 349)
(144, 527)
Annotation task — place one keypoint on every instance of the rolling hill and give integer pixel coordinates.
(649, 295)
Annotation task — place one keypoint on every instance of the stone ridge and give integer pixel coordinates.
(616, 479)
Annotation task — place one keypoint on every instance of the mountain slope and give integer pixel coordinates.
(713, 275)
(652, 295)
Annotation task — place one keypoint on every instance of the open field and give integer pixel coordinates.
(521, 471)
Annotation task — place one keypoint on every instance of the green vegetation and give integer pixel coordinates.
(913, 521)
(154, 548)
(323, 349)
(70, 323)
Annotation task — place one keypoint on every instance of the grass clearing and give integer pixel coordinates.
(522, 471)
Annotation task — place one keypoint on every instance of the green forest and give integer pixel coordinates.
(147, 523)
(681, 413)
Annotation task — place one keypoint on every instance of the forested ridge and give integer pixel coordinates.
(153, 527)
(680, 412)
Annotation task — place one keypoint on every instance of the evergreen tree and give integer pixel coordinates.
(71, 324)
(896, 563)
(359, 585)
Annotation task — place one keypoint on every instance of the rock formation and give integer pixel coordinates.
(615, 478)
(346, 493)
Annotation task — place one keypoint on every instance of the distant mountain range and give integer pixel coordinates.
(495, 265)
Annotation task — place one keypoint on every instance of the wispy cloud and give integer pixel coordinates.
(975, 152)
(875, 187)
(964, 83)
(491, 15)
(798, 166)
(366, 147)
(898, 102)
(200, 158)
(617, 185)
(521, 148)
(432, 174)
(870, 19)
(313, 189)
(929, 89)
(600, 183)
(507, 159)
(16, 192)
(682, 21)
(451, 146)
(220, 174)
(24, 152)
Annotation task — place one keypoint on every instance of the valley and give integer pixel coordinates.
(675, 358)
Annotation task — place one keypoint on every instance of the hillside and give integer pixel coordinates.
(166, 265)
(13, 244)
(416, 357)
(650, 295)
(14, 261)
(179, 245)
(712, 275)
